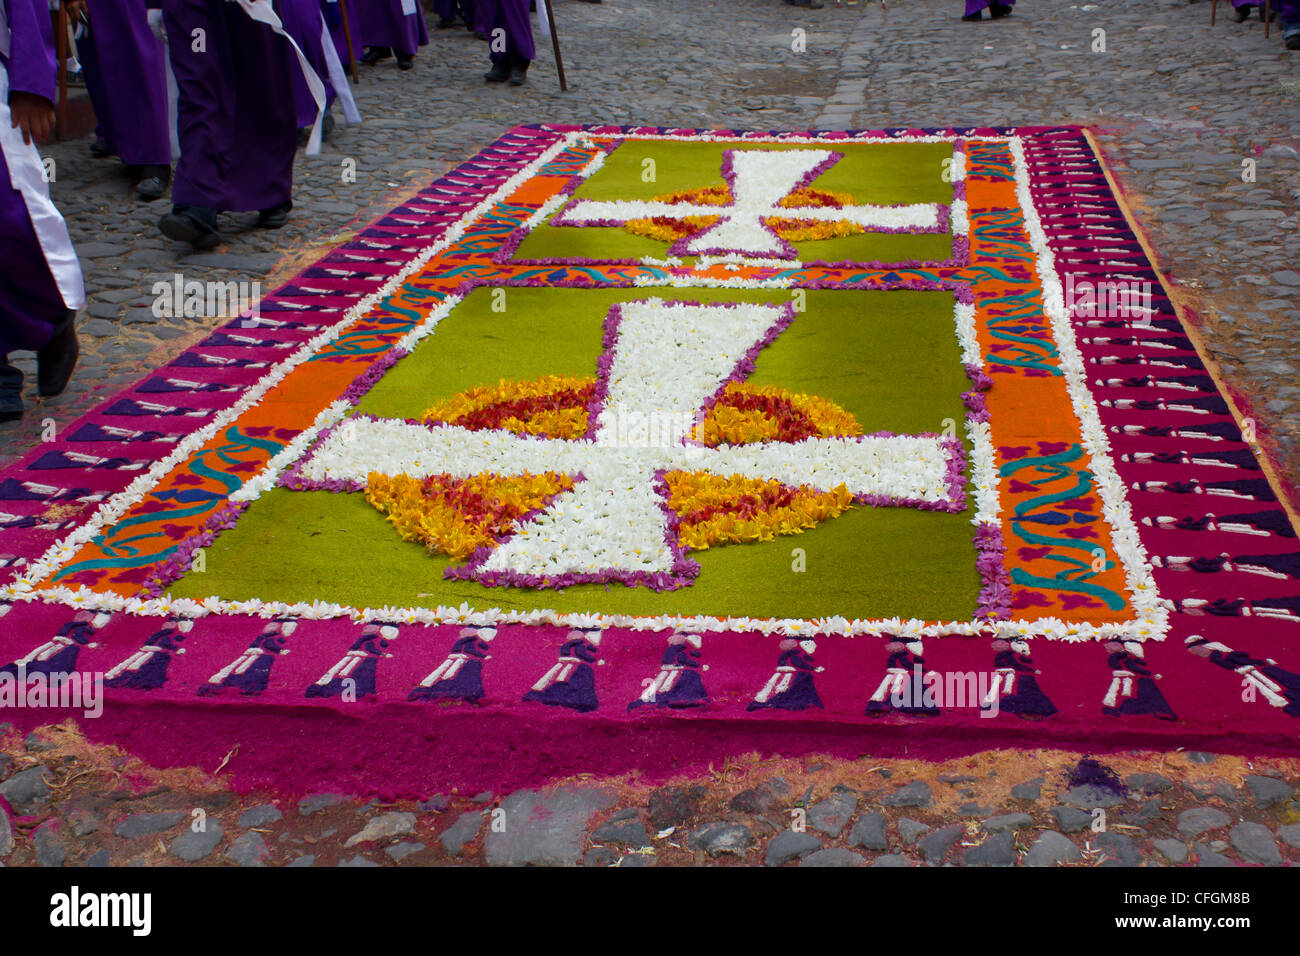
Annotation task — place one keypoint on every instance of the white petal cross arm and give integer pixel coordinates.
(759, 181)
(669, 359)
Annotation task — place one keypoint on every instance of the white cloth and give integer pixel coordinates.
(262, 12)
(338, 78)
(27, 175)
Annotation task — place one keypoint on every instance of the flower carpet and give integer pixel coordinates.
(635, 447)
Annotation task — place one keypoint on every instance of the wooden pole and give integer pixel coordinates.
(347, 35)
(61, 44)
(555, 45)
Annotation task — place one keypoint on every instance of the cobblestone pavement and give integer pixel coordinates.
(77, 805)
(1178, 106)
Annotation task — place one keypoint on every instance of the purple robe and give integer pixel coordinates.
(334, 18)
(1028, 699)
(303, 21)
(33, 302)
(578, 692)
(362, 676)
(383, 23)
(511, 16)
(236, 114)
(126, 77)
(975, 6)
(1147, 701)
(688, 690)
(802, 692)
(152, 674)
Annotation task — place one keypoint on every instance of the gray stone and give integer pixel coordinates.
(910, 830)
(192, 847)
(6, 834)
(147, 824)
(316, 802)
(1090, 796)
(465, 829)
(997, 850)
(1255, 844)
(763, 798)
(869, 832)
(789, 845)
(1070, 819)
(400, 851)
(248, 850)
(1198, 820)
(438, 803)
(915, 794)
(1150, 810)
(26, 790)
(83, 822)
(260, 816)
(50, 850)
(721, 837)
(600, 856)
(546, 828)
(98, 859)
(1268, 791)
(1216, 787)
(833, 856)
(1007, 821)
(673, 806)
(935, 846)
(832, 815)
(1052, 849)
(630, 832)
(307, 859)
(383, 827)
(1200, 756)
(36, 742)
(1029, 790)
(1207, 857)
(1175, 851)
(891, 859)
(1118, 849)
(358, 861)
(1148, 783)
(1289, 834)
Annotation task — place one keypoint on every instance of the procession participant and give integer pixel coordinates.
(334, 17)
(450, 10)
(40, 277)
(235, 116)
(305, 21)
(512, 49)
(126, 78)
(391, 27)
(975, 9)
(1289, 14)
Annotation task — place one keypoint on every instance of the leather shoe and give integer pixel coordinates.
(56, 360)
(196, 225)
(275, 217)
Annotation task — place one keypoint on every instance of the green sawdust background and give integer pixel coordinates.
(890, 358)
(884, 174)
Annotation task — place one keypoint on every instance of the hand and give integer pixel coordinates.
(32, 114)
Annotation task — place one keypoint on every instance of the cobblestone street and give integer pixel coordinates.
(1201, 128)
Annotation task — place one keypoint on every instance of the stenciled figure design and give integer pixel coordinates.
(146, 669)
(678, 683)
(250, 672)
(353, 677)
(460, 675)
(1133, 691)
(572, 681)
(1015, 687)
(791, 686)
(58, 655)
(1281, 688)
(903, 689)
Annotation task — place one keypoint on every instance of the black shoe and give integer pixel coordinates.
(519, 74)
(1243, 14)
(973, 17)
(153, 183)
(196, 225)
(99, 149)
(374, 54)
(55, 362)
(997, 11)
(810, 4)
(405, 61)
(11, 391)
(499, 72)
(1293, 41)
(275, 217)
